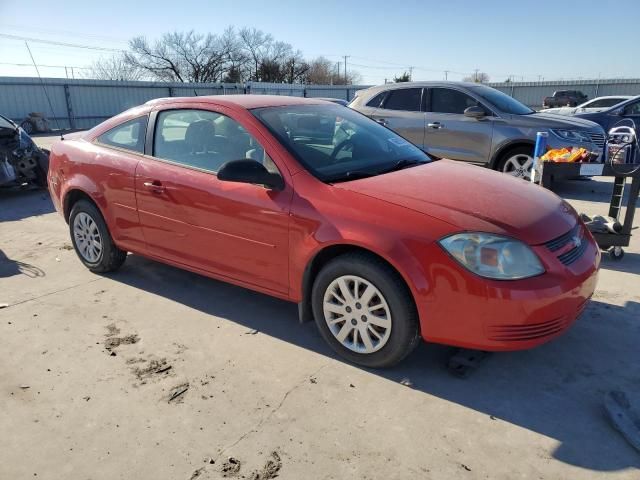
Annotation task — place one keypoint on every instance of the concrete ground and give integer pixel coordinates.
(154, 373)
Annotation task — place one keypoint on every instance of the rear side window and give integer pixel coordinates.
(407, 99)
(205, 140)
(446, 100)
(377, 100)
(128, 135)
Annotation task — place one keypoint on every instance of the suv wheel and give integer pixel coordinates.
(517, 162)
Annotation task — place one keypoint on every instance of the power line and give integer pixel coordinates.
(60, 44)
(45, 66)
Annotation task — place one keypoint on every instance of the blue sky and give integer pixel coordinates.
(528, 39)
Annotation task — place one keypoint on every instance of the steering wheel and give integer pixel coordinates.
(341, 146)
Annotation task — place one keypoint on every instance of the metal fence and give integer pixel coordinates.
(85, 103)
(80, 104)
(532, 93)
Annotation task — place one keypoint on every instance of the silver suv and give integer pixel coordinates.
(473, 123)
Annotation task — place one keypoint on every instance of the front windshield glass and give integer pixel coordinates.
(501, 100)
(336, 143)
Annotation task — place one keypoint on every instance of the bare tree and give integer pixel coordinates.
(323, 72)
(182, 57)
(114, 68)
(477, 77)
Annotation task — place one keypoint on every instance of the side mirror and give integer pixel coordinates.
(474, 112)
(250, 171)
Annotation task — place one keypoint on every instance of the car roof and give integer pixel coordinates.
(244, 101)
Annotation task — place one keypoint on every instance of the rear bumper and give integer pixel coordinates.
(465, 310)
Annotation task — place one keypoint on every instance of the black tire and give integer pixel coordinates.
(405, 332)
(111, 257)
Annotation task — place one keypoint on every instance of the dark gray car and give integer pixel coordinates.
(473, 123)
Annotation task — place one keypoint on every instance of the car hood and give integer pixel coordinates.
(472, 198)
(554, 120)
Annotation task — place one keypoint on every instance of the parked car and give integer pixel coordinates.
(564, 98)
(361, 228)
(626, 113)
(596, 105)
(472, 122)
(21, 161)
(338, 101)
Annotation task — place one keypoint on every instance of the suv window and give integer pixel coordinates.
(377, 100)
(407, 99)
(128, 135)
(205, 140)
(446, 100)
(632, 109)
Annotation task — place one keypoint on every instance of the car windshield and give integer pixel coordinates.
(502, 101)
(336, 143)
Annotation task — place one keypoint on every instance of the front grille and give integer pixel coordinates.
(515, 333)
(562, 240)
(572, 255)
(597, 139)
(573, 244)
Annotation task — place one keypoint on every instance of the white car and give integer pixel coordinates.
(596, 105)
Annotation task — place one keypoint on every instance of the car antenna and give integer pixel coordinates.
(46, 94)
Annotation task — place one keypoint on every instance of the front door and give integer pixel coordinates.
(401, 112)
(235, 230)
(450, 134)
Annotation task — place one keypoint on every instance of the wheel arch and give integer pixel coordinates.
(505, 148)
(324, 256)
(71, 197)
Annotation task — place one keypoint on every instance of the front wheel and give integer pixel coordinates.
(91, 239)
(517, 162)
(364, 311)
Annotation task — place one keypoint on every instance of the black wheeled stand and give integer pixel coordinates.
(613, 242)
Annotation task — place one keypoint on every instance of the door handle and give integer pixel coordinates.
(155, 186)
(381, 121)
(435, 125)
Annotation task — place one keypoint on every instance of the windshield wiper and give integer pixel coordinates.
(404, 163)
(351, 175)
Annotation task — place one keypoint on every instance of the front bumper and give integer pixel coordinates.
(463, 309)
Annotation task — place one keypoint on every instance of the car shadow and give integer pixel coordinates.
(589, 190)
(555, 390)
(630, 263)
(19, 203)
(9, 268)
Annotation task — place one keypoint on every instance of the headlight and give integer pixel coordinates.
(571, 135)
(493, 256)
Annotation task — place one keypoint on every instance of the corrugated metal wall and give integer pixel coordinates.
(532, 93)
(85, 103)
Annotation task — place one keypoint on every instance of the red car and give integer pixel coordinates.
(315, 203)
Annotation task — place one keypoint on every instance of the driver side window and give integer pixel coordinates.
(205, 140)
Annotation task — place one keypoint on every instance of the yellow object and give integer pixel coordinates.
(565, 155)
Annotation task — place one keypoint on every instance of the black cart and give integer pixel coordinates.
(613, 242)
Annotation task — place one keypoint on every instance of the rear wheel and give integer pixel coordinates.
(92, 240)
(517, 162)
(364, 311)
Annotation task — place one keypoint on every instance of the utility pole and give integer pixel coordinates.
(410, 74)
(345, 69)
(446, 74)
(338, 67)
(475, 75)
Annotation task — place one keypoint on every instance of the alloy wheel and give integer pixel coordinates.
(519, 165)
(87, 237)
(357, 314)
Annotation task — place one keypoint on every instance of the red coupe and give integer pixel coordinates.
(315, 203)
